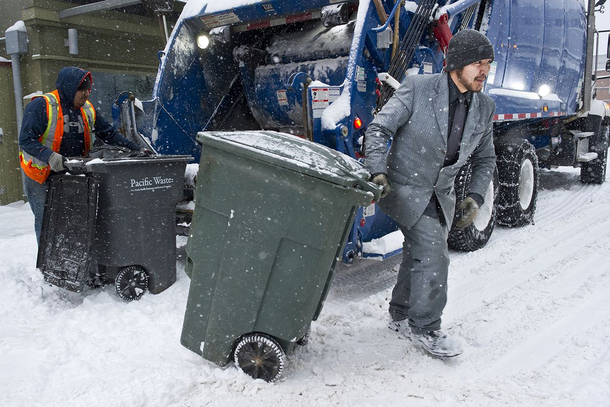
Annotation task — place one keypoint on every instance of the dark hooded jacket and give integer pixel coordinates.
(35, 122)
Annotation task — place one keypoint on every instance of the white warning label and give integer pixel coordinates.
(321, 98)
(369, 210)
(216, 20)
(282, 98)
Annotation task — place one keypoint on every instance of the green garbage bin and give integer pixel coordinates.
(272, 213)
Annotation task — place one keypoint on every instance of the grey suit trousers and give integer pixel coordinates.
(420, 293)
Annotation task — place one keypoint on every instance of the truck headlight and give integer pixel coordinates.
(203, 41)
(544, 90)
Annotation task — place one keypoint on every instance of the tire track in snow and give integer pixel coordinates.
(573, 277)
(530, 308)
(570, 204)
(552, 340)
(532, 317)
(363, 279)
(551, 248)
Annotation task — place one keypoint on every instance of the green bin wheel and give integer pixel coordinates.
(260, 357)
(131, 283)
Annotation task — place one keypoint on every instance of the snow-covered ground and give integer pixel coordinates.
(532, 309)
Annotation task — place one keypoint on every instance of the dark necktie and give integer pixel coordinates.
(457, 128)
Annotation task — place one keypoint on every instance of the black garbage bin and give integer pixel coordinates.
(134, 236)
(64, 250)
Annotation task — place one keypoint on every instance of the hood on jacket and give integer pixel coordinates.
(68, 81)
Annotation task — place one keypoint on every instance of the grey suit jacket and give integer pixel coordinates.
(417, 117)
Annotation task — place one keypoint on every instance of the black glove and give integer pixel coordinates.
(471, 209)
(56, 161)
(382, 179)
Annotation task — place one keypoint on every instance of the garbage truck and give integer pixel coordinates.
(322, 69)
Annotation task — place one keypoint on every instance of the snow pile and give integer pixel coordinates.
(411, 6)
(18, 26)
(194, 7)
(386, 244)
(190, 174)
(451, 9)
(340, 108)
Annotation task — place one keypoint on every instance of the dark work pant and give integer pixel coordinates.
(37, 195)
(420, 293)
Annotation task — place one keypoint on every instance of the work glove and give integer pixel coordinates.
(382, 180)
(56, 161)
(470, 210)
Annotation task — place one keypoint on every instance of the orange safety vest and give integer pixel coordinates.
(34, 168)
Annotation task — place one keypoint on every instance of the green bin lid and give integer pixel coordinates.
(293, 153)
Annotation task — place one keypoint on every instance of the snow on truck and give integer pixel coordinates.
(321, 69)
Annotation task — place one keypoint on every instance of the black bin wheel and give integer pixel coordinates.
(260, 357)
(131, 283)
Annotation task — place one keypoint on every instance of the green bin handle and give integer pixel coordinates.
(375, 189)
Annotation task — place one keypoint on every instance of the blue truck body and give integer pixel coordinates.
(312, 69)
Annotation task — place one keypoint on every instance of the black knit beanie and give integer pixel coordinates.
(466, 47)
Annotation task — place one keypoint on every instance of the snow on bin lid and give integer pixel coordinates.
(293, 153)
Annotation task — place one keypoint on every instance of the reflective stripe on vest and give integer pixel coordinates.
(38, 170)
(88, 113)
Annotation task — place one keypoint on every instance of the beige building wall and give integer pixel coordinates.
(10, 175)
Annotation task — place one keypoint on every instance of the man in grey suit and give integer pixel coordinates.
(436, 123)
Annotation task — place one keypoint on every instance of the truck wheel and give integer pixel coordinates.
(131, 283)
(260, 357)
(518, 176)
(594, 172)
(475, 236)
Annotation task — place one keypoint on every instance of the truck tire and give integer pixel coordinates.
(475, 236)
(518, 173)
(594, 172)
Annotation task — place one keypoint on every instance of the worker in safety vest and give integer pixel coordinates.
(57, 125)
